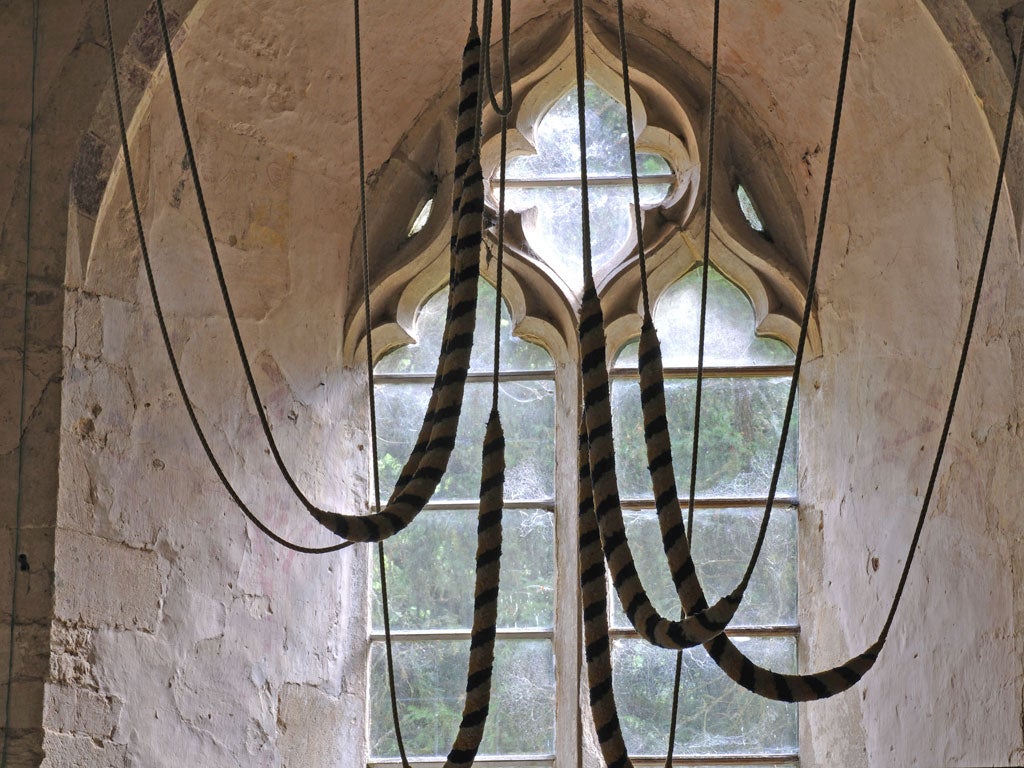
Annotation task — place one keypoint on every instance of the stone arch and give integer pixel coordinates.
(72, 76)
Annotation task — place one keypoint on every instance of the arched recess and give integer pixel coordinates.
(854, 336)
(212, 638)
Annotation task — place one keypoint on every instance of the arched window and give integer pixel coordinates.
(536, 715)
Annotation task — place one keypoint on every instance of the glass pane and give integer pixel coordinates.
(741, 420)
(421, 356)
(723, 540)
(552, 215)
(431, 571)
(552, 222)
(716, 716)
(748, 209)
(556, 139)
(430, 679)
(528, 416)
(729, 331)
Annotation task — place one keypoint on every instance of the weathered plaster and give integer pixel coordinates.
(157, 617)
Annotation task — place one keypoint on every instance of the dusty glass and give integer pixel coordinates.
(430, 682)
(431, 571)
(716, 716)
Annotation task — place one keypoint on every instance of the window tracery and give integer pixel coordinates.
(746, 384)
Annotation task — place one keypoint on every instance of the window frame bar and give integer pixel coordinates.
(609, 180)
(473, 377)
(712, 372)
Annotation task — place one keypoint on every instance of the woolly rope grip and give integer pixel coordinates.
(660, 464)
(694, 629)
(723, 651)
(485, 605)
(429, 459)
(773, 685)
(595, 620)
(468, 96)
(407, 502)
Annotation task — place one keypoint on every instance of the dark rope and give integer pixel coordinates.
(165, 335)
(1004, 153)
(211, 242)
(581, 108)
(631, 138)
(643, 616)
(18, 502)
(221, 281)
(500, 264)
(504, 109)
(820, 685)
(487, 576)
(809, 301)
(705, 267)
(385, 610)
(429, 458)
(389, 653)
(701, 335)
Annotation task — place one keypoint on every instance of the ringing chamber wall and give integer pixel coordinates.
(175, 623)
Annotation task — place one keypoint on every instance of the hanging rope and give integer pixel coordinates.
(722, 650)
(422, 470)
(488, 571)
(504, 109)
(364, 242)
(968, 333)
(636, 603)
(699, 387)
(594, 596)
(429, 458)
(16, 565)
(634, 174)
(489, 520)
(809, 300)
(464, 146)
(165, 335)
(821, 685)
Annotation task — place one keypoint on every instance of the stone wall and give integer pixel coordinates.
(148, 613)
(915, 179)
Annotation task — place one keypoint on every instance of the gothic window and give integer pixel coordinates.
(535, 717)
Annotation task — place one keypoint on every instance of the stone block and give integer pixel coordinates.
(317, 729)
(88, 326)
(64, 750)
(125, 583)
(80, 712)
(72, 649)
(34, 591)
(25, 749)
(120, 329)
(26, 704)
(31, 651)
